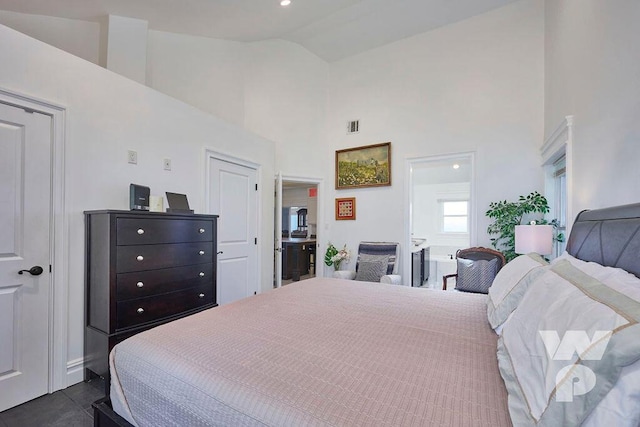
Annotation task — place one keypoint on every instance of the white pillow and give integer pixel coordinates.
(539, 380)
(510, 284)
(621, 406)
(616, 278)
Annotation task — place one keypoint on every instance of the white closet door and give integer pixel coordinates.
(25, 204)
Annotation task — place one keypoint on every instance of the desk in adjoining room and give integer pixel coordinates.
(296, 257)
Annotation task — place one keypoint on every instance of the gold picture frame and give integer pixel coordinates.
(345, 208)
(366, 166)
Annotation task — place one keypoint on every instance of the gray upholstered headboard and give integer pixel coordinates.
(608, 236)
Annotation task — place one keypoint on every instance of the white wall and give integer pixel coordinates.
(592, 59)
(295, 196)
(107, 115)
(274, 88)
(475, 86)
(127, 47)
(285, 101)
(80, 38)
(200, 71)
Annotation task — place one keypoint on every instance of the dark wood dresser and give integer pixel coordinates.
(143, 269)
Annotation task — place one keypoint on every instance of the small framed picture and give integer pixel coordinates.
(346, 208)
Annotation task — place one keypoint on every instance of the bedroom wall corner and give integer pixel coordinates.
(473, 86)
(592, 63)
(107, 115)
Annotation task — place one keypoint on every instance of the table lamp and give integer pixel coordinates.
(534, 238)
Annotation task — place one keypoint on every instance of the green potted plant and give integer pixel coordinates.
(506, 215)
(334, 257)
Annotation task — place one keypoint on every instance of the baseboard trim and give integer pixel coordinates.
(75, 371)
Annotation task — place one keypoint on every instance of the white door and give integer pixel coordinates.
(234, 197)
(278, 231)
(25, 203)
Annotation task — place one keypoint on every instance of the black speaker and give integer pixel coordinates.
(139, 197)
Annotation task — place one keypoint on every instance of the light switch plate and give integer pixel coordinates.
(132, 157)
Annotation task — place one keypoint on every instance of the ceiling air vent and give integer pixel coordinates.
(353, 126)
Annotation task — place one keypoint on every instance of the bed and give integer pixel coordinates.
(334, 352)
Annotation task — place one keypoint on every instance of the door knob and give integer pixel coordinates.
(36, 270)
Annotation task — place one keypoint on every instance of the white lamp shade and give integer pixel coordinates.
(534, 238)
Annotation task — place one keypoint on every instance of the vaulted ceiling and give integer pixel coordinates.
(332, 29)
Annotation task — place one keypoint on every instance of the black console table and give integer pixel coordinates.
(296, 253)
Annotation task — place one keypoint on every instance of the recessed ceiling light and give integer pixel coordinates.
(456, 166)
(285, 2)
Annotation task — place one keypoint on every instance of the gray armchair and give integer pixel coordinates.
(376, 262)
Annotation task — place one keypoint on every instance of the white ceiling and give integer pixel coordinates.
(332, 29)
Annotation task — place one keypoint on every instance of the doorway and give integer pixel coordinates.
(441, 215)
(297, 212)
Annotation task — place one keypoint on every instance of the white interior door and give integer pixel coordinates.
(25, 203)
(234, 197)
(278, 231)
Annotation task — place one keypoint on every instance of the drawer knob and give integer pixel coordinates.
(201, 274)
(201, 230)
(201, 252)
(201, 295)
(140, 231)
(140, 258)
(140, 310)
(139, 284)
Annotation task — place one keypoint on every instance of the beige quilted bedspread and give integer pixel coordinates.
(318, 352)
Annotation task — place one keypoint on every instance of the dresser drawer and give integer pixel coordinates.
(133, 231)
(135, 312)
(145, 283)
(150, 257)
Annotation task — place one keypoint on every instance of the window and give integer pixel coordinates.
(560, 205)
(557, 177)
(293, 218)
(455, 216)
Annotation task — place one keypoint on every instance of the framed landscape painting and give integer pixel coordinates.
(367, 166)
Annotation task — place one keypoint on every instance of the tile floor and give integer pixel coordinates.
(70, 407)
